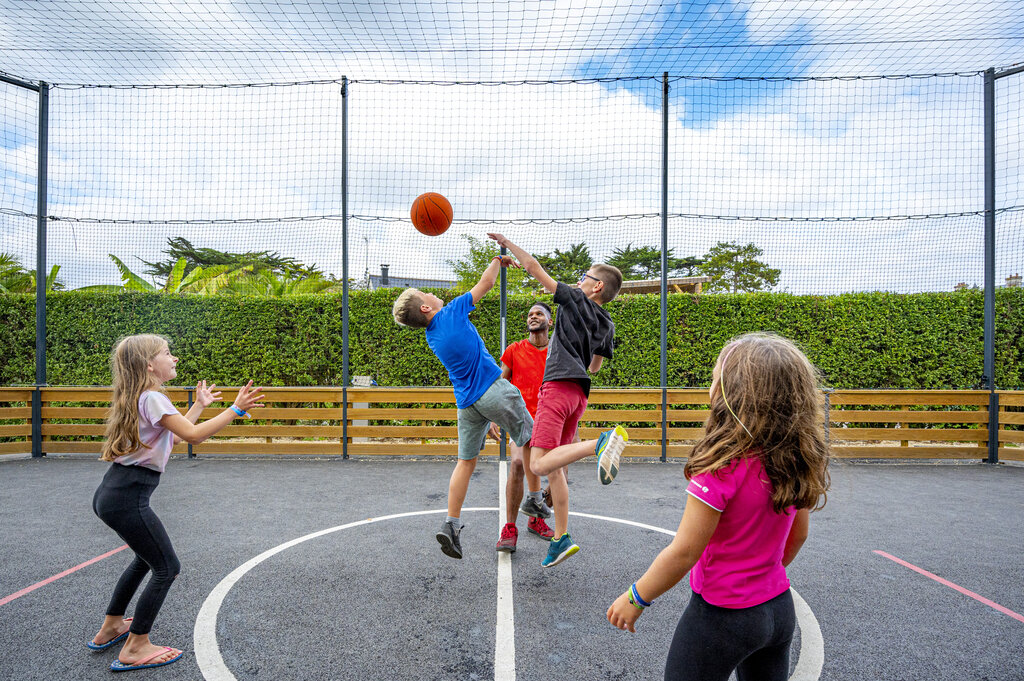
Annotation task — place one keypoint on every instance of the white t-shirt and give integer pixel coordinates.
(153, 406)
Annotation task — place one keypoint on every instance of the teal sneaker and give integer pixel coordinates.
(559, 550)
(609, 450)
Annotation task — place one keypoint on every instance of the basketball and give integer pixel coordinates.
(431, 214)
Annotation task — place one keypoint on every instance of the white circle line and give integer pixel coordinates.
(211, 663)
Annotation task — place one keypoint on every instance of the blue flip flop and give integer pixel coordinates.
(118, 666)
(111, 642)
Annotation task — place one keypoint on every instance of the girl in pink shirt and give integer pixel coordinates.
(759, 469)
(142, 427)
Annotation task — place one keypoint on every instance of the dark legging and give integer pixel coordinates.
(122, 502)
(710, 642)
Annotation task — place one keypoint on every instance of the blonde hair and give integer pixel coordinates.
(769, 404)
(406, 309)
(129, 367)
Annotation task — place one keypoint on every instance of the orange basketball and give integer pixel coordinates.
(431, 214)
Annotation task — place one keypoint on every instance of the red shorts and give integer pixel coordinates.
(559, 408)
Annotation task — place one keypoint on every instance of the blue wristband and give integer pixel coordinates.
(239, 411)
(636, 596)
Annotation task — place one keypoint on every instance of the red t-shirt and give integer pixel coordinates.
(527, 363)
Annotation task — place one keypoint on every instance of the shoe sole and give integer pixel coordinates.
(562, 556)
(534, 515)
(608, 464)
(506, 549)
(545, 538)
(447, 547)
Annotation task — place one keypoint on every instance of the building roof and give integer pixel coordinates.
(676, 285)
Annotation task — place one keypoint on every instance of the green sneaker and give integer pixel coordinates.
(559, 550)
(609, 450)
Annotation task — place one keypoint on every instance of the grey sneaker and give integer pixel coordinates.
(448, 538)
(534, 508)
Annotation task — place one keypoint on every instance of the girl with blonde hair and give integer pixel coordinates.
(142, 427)
(760, 467)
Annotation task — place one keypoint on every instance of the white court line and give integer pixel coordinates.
(809, 661)
(505, 631)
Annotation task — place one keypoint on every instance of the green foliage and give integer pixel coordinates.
(16, 279)
(736, 269)
(644, 262)
(179, 248)
(568, 266)
(861, 340)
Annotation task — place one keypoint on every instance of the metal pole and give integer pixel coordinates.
(988, 376)
(188, 391)
(664, 266)
(503, 317)
(344, 267)
(37, 394)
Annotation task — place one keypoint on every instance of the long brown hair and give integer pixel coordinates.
(768, 402)
(129, 366)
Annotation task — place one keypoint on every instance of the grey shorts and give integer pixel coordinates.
(501, 404)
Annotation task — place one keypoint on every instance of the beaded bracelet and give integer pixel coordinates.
(240, 412)
(636, 596)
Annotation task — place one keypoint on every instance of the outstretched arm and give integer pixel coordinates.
(675, 560)
(248, 398)
(490, 276)
(527, 262)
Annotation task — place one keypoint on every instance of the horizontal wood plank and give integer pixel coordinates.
(15, 413)
(16, 430)
(909, 434)
(882, 416)
(909, 452)
(1011, 435)
(1011, 453)
(910, 397)
(16, 394)
(23, 447)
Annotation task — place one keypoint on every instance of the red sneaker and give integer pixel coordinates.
(507, 540)
(540, 528)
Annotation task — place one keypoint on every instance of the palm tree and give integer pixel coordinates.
(16, 279)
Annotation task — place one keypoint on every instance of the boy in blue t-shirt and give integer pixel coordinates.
(481, 394)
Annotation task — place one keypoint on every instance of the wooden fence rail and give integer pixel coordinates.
(932, 424)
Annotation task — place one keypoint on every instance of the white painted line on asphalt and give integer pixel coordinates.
(812, 645)
(505, 631)
(204, 637)
(811, 657)
(809, 660)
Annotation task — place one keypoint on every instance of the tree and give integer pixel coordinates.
(179, 247)
(470, 267)
(734, 268)
(206, 280)
(568, 266)
(644, 262)
(16, 279)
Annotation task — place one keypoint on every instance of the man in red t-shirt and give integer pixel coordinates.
(523, 364)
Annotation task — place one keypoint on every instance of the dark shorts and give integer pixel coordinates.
(559, 408)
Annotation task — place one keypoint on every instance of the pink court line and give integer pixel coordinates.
(30, 589)
(956, 587)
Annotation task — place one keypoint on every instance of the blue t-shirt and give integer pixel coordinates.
(458, 345)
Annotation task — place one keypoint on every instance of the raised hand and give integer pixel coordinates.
(206, 396)
(500, 238)
(508, 261)
(249, 397)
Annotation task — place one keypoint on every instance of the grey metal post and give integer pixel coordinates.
(503, 339)
(344, 267)
(37, 395)
(988, 376)
(188, 391)
(664, 267)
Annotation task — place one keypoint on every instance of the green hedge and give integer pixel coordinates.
(864, 340)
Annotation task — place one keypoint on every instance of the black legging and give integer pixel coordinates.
(122, 502)
(710, 642)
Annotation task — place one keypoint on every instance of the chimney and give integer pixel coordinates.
(962, 286)
(1013, 281)
(384, 282)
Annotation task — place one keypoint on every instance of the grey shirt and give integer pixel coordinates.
(582, 329)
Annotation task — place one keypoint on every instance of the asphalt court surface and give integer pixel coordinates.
(380, 601)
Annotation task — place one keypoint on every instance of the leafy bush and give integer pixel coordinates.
(859, 340)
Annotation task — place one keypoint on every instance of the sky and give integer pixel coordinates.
(847, 181)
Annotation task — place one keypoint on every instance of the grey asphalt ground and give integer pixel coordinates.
(380, 601)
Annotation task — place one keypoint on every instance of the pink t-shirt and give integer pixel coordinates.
(153, 406)
(742, 564)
